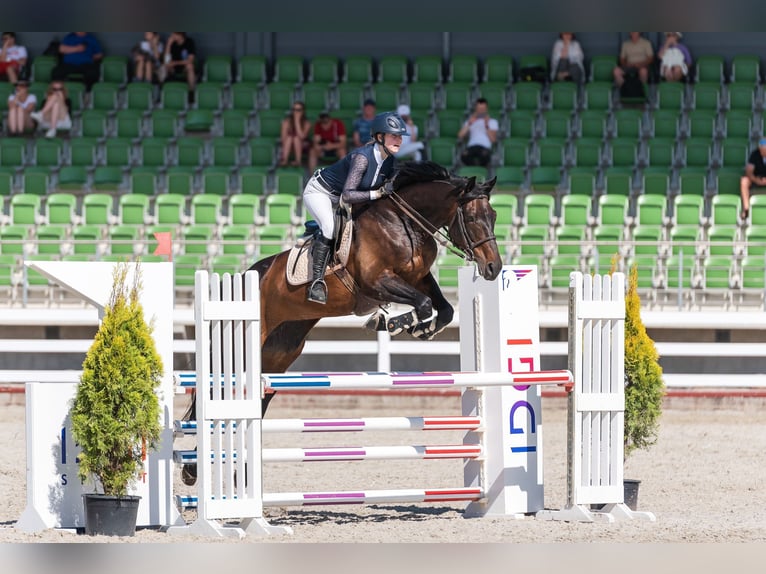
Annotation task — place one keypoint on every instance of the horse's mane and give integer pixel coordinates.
(410, 172)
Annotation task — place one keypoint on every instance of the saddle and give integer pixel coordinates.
(299, 259)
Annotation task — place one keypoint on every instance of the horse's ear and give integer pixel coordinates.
(470, 183)
(489, 185)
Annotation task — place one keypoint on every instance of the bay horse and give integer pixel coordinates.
(392, 251)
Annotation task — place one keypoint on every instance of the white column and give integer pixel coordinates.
(500, 331)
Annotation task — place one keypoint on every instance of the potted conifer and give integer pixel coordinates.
(116, 411)
(644, 386)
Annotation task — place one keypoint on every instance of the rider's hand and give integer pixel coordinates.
(384, 190)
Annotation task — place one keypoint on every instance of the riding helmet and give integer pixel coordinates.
(388, 123)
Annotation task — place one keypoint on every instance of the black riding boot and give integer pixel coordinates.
(317, 291)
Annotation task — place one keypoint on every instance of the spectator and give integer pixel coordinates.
(675, 58)
(294, 136)
(636, 55)
(56, 113)
(13, 58)
(329, 141)
(361, 131)
(481, 130)
(81, 56)
(147, 58)
(567, 59)
(181, 60)
(21, 104)
(410, 148)
(755, 175)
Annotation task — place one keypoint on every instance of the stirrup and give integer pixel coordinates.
(317, 292)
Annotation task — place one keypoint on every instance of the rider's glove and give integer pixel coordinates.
(386, 189)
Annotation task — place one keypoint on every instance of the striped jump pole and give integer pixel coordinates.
(353, 424)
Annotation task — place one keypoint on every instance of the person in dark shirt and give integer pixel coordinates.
(181, 60)
(360, 176)
(81, 56)
(755, 175)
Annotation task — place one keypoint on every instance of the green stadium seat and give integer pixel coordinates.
(129, 123)
(289, 69)
(61, 208)
(498, 68)
(174, 96)
(324, 69)
(217, 68)
(206, 209)
(139, 96)
(134, 209)
(98, 209)
(114, 69)
(745, 68)
(426, 68)
(252, 68)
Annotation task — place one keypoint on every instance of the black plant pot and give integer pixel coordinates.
(631, 492)
(110, 515)
(630, 495)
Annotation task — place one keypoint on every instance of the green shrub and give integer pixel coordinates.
(116, 412)
(645, 388)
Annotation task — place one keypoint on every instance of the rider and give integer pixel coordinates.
(356, 178)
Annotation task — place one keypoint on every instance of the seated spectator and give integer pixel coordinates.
(81, 56)
(675, 58)
(567, 59)
(361, 132)
(411, 147)
(294, 137)
(481, 131)
(181, 60)
(329, 141)
(13, 58)
(636, 55)
(755, 175)
(21, 104)
(56, 113)
(147, 58)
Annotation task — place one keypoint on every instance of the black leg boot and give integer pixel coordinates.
(317, 291)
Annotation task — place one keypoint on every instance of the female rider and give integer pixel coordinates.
(356, 178)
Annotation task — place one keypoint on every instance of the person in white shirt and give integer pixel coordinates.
(410, 148)
(481, 131)
(567, 59)
(13, 58)
(21, 104)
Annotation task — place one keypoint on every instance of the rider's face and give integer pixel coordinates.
(392, 142)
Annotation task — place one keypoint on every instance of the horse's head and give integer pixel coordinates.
(473, 228)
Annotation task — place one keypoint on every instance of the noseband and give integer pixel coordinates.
(466, 243)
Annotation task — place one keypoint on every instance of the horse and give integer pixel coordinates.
(393, 247)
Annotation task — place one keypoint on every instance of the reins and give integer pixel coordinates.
(440, 236)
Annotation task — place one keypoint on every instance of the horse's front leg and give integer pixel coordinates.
(394, 289)
(444, 312)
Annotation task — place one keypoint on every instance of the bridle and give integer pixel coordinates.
(468, 243)
(463, 245)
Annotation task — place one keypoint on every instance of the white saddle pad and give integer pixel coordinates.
(299, 258)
